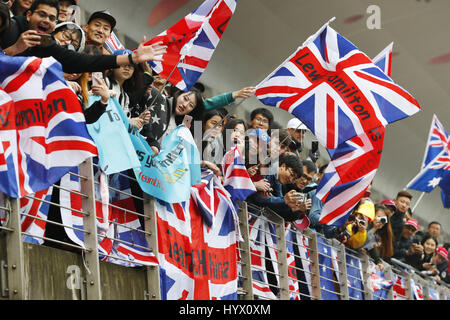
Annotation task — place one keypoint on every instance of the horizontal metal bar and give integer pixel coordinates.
(54, 222)
(57, 205)
(56, 241)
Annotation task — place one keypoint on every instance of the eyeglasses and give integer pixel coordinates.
(262, 120)
(306, 178)
(68, 36)
(292, 173)
(43, 15)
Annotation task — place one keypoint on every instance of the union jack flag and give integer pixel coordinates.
(191, 42)
(113, 43)
(43, 130)
(435, 170)
(33, 206)
(335, 90)
(352, 168)
(260, 237)
(383, 60)
(120, 238)
(236, 178)
(196, 261)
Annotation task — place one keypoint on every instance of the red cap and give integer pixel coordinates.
(389, 202)
(443, 252)
(412, 222)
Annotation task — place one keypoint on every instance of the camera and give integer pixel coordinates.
(344, 235)
(382, 220)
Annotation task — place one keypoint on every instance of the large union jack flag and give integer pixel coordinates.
(435, 169)
(353, 165)
(191, 42)
(335, 90)
(198, 258)
(42, 127)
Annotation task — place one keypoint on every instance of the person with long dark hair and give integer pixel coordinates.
(379, 243)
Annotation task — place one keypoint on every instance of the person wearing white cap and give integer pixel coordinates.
(297, 131)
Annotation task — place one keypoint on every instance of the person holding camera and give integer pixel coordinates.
(379, 237)
(357, 229)
(422, 261)
(30, 36)
(404, 246)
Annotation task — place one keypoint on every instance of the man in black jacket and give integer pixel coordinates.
(26, 33)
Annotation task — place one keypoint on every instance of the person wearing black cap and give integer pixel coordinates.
(99, 28)
(41, 20)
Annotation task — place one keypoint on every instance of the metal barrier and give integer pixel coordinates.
(276, 260)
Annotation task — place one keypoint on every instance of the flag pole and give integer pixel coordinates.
(418, 201)
(165, 83)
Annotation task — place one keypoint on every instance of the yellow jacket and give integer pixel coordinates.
(357, 239)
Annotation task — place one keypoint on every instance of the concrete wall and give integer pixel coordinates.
(54, 274)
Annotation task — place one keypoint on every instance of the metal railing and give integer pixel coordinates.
(276, 260)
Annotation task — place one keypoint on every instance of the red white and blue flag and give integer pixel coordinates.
(191, 42)
(121, 240)
(197, 261)
(335, 90)
(113, 43)
(259, 238)
(435, 170)
(236, 178)
(353, 166)
(34, 212)
(399, 287)
(43, 130)
(379, 284)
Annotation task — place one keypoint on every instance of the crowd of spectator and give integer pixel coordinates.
(284, 178)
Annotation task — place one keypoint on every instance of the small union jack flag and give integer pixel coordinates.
(113, 43)
(191, 42)
(335, 90)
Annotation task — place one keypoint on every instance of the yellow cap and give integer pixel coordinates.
(368, 209)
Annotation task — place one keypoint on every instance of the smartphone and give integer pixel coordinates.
(187, 120)
(45, 40)
(314, 146)
(96, 78)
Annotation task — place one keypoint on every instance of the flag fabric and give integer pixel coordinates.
(191, 42)
(383, 60)
(433, 293)
(328, 291)
(354, 277)
(116, 152)
(113, 43)
(335, 90)
(35, 207)
(291, 242)
(118, 227)
(259, 232)
(378, 283)
(236, 178)
(352, 168)
(399, 287)
(170, 174)
(43, 130)
(417, 290)
(435, 169)
(198, 262)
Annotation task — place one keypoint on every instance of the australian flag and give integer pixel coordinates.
(335, 90)
(191, 42)
(435, 170)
